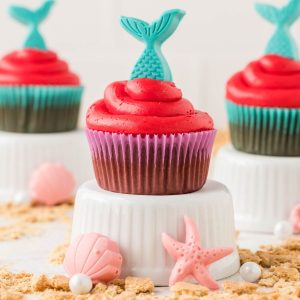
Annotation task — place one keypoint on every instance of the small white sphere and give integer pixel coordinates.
(21, 198)
(80, 284)
(283, 230)
(250, 271)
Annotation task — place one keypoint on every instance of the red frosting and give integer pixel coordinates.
(272, 81)
(146, 106)
(33, 66)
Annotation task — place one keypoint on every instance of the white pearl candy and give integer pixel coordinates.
(21, 198)
(80, 284)
(283, 230)
(250, 271)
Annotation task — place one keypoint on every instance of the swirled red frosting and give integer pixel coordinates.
(146, 106)
(36, 67)
(272, 81)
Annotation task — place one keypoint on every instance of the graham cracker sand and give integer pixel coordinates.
(280, 278)
(36, 214)
(57, 255)
(26, 219)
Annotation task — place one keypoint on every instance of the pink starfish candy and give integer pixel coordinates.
(191, 258)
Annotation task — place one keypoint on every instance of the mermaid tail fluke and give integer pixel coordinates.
(281, 42)
(152, 64)
(32, 18)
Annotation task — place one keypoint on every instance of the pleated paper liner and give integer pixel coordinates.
(265, 131)
(39, 109)
(151, 164)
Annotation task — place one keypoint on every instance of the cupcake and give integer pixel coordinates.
(263, 100)
(145, 138)
(38, 92)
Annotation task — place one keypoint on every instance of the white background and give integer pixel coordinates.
(215, 39)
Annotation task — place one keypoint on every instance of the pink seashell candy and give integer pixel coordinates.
(51, 184)
(295, 218)
(95, 256)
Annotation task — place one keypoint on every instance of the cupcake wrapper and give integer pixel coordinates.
(265, 131)
(39, 109)
(151, 164)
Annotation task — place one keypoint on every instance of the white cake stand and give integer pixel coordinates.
(21, 153)
(136, 223)
(264, 188)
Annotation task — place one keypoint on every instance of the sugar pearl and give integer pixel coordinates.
(250, 271)
(283, 230)
(80, 284)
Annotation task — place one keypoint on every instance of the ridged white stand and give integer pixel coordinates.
(264, 188)
(136, 223)
(20, 154)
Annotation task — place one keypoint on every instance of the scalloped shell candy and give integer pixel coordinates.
(295, 218)
(94, 255)
(51, 184)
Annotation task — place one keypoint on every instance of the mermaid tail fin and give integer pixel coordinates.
(281, 43)
(153, 35)
(158, 31)
(32, 18)
(287, 15)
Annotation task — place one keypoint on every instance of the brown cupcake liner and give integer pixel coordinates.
(151, 165)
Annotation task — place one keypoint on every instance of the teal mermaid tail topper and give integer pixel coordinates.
(32, 18)
(152, 63)
(281, 43)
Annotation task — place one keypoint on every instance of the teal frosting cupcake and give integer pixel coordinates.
(38, 92)
(263, 100)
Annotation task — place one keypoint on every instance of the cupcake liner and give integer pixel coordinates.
(39, 109)
(265, 131)
(151, 164)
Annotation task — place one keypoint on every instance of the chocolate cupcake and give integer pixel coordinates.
(144, 137)
(38, 92)
(263, 100)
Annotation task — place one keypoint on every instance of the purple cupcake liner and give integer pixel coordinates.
(151, 164)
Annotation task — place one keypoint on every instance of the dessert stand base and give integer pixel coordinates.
(264, 188)
(21, 153)
(136, 223)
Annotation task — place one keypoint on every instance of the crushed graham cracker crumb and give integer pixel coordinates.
(7, 295)
(55, 295)
(99, 288)
(239, 288)
(113, 290)
(20, 283)
(57, 256)
(139, 285)
(59, 283)
(247, 255)
(40, 283)
(185, 288)
(126, 295)
(27, 218)
(36, 214)
(17, 231)
(275, 274)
